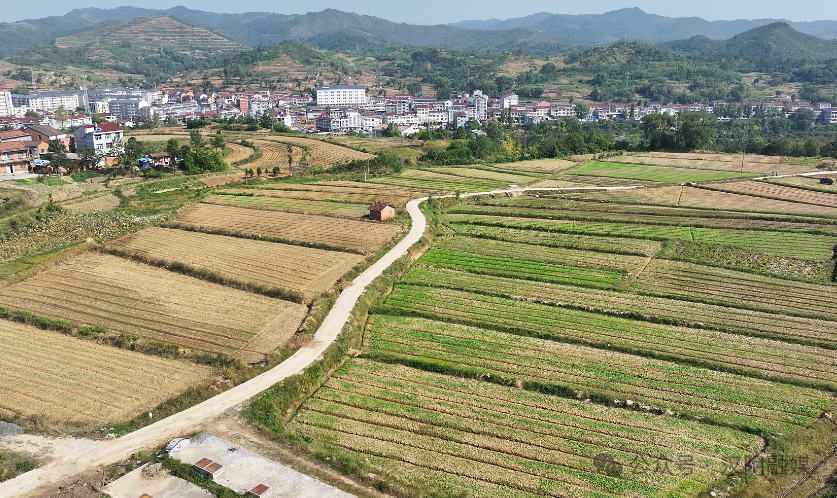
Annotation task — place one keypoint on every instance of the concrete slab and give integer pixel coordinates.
(244, 470)
(159, 485)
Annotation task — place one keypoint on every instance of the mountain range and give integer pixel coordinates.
(542, 33)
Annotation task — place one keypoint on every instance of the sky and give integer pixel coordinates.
(442, 11)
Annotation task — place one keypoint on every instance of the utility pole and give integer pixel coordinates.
(366, 172)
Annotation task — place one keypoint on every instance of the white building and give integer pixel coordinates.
(127, 108)
(6, 103)
(99, 137)
(51, 101)
(509, 100)
(341, 95)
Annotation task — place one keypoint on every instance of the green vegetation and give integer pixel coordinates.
(12, 465)
(654, 173)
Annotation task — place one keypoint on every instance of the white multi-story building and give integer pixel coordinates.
(51, 101)
(106, 94)
(341, 95)
(6, 103)
(510, 100)
(127, 108)
(99, 137)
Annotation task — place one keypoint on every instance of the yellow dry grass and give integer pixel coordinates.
(131, 298)
(323, 153)
(268, 264)
(101, 203)
(365, 236)
(48, 374)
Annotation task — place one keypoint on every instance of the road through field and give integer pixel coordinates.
(70, 457)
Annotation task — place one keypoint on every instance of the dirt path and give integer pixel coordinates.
(69, 457)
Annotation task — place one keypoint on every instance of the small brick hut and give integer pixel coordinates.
(381, 211)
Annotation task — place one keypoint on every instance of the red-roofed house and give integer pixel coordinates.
(14, 157)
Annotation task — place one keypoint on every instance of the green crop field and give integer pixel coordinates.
(542, 346)
(654, 173)
(648, 308)
(292, 205)
(427, 432)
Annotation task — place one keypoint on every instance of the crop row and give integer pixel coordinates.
(752, 356)
(547, 255)
(793, 245)
(737, 289)
(412, 422)
(547, 366)
(635, 247)
(556, 208)
(649, 308)
(293, 205)
(542, 272)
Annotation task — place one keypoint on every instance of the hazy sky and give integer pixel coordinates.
(439, 11)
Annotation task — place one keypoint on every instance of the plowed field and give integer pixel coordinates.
(322, 153)
(780, 192)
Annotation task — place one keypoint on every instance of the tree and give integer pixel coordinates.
(391, 131)
(134, 150)
(61, 116)
(267, 120)
(803, 119)
(582, 110)
(58, 155)
(696, 130)
(657, 130)
(218, 142)
(414, 88)
(196, 140)
(88, 158)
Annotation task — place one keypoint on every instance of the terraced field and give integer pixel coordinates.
(266, 264)
(653, 173)
(57, 377)
(322, 153)
(754, 165)
(325, 231)
(347, 192)
(426, 431)
(504, 176)
(441, 182)
(780, 192)
(130, 298)
(269, 202)
(789, 244)
(237, 153)
(806, 182)
(707, 199)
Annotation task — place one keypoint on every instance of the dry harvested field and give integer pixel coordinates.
(539, 165)
(722, 162)
(131, 298)
(237, 153)
(356, 235)
(273, 155)
(780, 192)
(395, 198)
(706, 199)
(323, 153)
(62, 378)
(269, 202)
(807, 182)
(268, 264)
(101, 203)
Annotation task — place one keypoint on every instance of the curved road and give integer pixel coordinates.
(71, 457)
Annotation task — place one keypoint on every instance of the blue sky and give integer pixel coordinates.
(438, 11)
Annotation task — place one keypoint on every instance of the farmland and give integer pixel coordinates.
(151, 303)
(653, 173)
(291, 205)
(426, 431)
(805, 182)
(706, 199)
(754, 165)
(322, 153)
(764, 189)
(237, 152)
(266, 264)
(678, 305)
(346, 192)
(328, 232)
(440, 182)
(57, 377)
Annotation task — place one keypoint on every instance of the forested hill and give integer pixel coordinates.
(543, 33)
(777, 40)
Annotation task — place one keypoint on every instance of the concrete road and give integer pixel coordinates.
(71, 457)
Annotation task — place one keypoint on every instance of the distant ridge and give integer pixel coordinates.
(773, 40)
